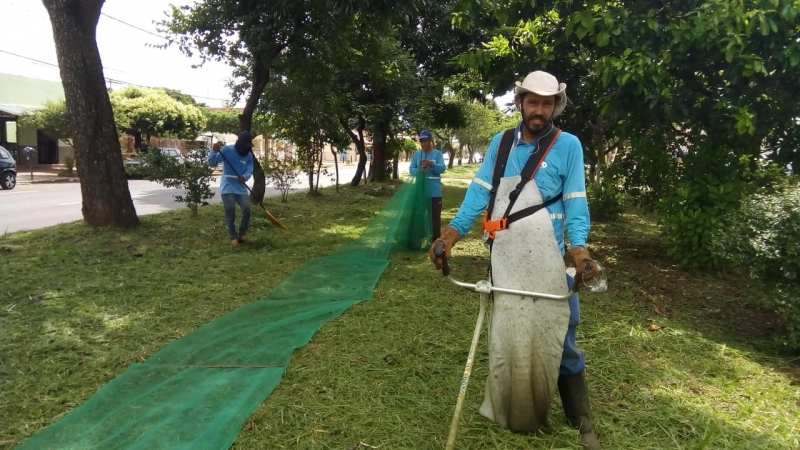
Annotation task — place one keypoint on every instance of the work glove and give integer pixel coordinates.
(449, 239)
(585, 267)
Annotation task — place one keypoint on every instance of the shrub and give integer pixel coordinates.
(69, 166)
(194, 176)
(606, 201)
(709, 187)
(763, 238)
(283, 174)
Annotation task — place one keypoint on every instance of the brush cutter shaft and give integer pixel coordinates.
(451, 438)
(484, 286)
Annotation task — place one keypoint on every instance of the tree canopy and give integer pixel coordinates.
(137, 111)
(140, 111)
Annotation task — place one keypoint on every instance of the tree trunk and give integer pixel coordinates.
(396, 167)
(362, 165)
(361, 147)
(319, 167)
(336, 165)
(257, 85)
(378, 169)
(310, 162)
(104, 188)
(600, 146)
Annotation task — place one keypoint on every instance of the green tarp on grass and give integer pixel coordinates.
(198, 391)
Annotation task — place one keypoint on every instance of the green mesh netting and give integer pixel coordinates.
(198, 391)
(415, 230)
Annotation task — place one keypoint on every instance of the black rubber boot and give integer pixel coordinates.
(575, 398)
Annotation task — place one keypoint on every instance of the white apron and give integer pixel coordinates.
(526, 335)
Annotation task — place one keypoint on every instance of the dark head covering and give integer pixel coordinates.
(244, 143)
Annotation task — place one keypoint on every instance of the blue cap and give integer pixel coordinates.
(424, 134)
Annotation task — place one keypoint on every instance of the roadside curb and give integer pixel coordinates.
(55, 180)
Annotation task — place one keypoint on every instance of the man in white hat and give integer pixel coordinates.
(531, 184)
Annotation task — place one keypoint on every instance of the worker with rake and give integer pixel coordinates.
(531, 186)
(237, 168)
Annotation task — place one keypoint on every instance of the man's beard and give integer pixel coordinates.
(535, 128)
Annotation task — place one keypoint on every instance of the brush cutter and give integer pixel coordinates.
(270, 217)
(485, 288)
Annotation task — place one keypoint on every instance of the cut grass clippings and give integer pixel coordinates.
(79, 305)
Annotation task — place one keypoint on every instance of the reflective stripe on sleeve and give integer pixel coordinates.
(482, 183)
(574, 195)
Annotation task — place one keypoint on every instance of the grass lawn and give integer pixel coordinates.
(464, 171)
(676, 359)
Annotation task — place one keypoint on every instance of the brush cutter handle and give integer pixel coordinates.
(485, 287)
(438, 251)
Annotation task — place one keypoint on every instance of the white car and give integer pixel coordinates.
(175, 153)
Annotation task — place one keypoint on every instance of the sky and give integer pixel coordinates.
(125, 51)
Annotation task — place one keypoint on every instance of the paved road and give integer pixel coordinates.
(42, 205)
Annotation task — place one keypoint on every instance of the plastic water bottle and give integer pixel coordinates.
(600, 282)
(597, 284)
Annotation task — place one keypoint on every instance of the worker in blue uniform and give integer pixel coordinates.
(559, 177)
(431, 161)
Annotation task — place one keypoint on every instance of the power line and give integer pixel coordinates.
(138, 28)
(56, 65)
(170, 40)
(110, 79)
(28, 11)
(137, 84)
(30, 59)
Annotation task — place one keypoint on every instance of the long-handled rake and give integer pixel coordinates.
(270, 217)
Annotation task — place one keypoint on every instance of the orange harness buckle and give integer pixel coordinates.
(493, 226)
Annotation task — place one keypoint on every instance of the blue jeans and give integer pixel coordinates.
(229, 201)
(572, 360)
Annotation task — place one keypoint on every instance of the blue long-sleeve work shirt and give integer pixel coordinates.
(232, 165)
(434, 171)
(561, 172)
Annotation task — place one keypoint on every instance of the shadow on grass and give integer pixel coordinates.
(725, 308)
(386, 374)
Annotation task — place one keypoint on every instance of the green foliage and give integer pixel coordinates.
(146, 111)
(410, 145)
(763, 238)
(657, 79)
(51, 119)
(283, 174)
(709, 187)
(137, 111)
(481, 125)
(186, 99)
(69, 165)
(194, 176)
(221, 121)
(606, 201)
(648, 171)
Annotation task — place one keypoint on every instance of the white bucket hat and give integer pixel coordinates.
(542, 83)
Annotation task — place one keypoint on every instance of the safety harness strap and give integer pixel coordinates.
(543, 146)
